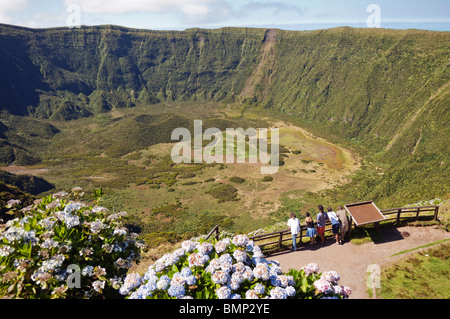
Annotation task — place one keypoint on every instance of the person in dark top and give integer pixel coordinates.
(321, 220)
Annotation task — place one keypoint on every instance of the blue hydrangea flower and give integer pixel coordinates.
(251, 294)
(150, 274)
(191, 280)
(163, 282)
(237, 277)
(223, 293)
(240, 240)
(220, 277)
(261, 271)
(259, 288)
(275, 281)
(290, 291)
(150, 286)
(188, 245)
(240, 256)
(132, 281)
(176, 291)
(186, 272)
(222, 245)
(278, 293)
(205, 248)
(226, 258)
(234, 285)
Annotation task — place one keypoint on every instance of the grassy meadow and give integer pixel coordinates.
(422, 275)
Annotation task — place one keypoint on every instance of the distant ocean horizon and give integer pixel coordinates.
(432, 26)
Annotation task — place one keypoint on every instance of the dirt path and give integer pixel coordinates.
(413, 118)
(351, 261)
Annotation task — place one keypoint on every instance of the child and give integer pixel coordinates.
(311, 230)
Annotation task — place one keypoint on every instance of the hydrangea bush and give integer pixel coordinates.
(57, 248)
(228, 269)
(55, 240)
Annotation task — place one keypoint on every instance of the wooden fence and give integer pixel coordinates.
(284, 235)
(411, 212)
(277, 238)
(215, 231)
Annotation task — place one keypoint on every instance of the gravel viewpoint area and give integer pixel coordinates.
(351, 261)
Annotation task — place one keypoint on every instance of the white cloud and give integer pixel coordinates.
(213, 11)
(7, 6)
(193, 12)
(151, 6)
(46, 19)
(272, 7)
(198, 11)
(11, 5)
(173, 13)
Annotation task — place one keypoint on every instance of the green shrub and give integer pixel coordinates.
(237, 179)
(187, 175)
(267, 179)
(189, 183)
(224, 192)
(159, 238)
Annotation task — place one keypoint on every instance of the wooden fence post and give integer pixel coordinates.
(217, 233)
(301, 231)
(280, 240)
(214, 231)
(436, 211)
(397, 220)
(350, 224)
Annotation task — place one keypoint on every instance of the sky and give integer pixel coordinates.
(183, 14)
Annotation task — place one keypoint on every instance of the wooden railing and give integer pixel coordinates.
(214, 231)
(277, 238)
(414, 211)
(283, 236)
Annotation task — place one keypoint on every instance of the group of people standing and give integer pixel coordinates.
(338, 219)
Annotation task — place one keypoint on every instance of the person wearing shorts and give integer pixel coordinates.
(321, 220)
(334, 223)
(310, 229)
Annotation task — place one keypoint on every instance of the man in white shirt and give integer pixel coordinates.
(294, 223)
